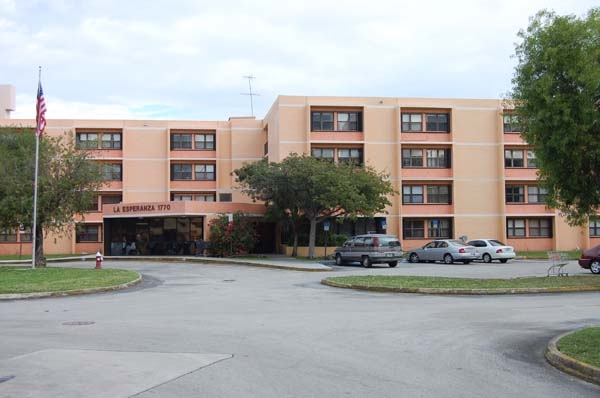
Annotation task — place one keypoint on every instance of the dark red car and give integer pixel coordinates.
(590, 259)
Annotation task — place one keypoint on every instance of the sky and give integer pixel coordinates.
(187, 59)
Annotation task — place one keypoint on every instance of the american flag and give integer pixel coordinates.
(40, 118)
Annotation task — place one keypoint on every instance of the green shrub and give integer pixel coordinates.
(231, 238)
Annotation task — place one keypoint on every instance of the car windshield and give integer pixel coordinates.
(457, 243)
(389, 242)
(495, 242)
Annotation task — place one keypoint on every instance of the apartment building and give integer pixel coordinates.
(459, 165)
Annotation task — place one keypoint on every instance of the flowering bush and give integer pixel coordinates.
(228, 238)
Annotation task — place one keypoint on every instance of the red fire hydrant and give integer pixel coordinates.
(98, 260)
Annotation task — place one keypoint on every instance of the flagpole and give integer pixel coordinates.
(35, 179)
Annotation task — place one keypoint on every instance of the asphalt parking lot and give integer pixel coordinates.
(209, 330)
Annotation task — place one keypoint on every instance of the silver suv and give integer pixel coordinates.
(370, 249)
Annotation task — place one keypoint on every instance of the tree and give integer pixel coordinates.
(556, 94)
(68, 181)
(304, 186)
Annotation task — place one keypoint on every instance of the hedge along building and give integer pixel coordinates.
(460, 166)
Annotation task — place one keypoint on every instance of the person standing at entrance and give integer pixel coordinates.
(200, 247)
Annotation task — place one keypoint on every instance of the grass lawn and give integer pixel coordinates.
(583, 345)
(415, 282)
(27, 256)
(543, 254)
(51, 279)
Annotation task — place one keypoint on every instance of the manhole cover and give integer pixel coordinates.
(228, 280)
(6, 378)
(78, 323)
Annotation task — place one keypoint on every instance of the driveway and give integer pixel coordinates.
(208, 330)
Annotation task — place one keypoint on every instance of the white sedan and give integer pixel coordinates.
(492, 249)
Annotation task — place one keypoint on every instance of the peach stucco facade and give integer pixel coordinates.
(458, 167)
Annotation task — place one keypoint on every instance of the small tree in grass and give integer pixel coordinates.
(229, 238)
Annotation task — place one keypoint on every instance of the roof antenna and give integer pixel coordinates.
(250, 93)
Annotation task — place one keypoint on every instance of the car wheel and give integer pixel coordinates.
(504, 260)
(595, 267)
(448, 259)
(413, 258)
(338, 259)
(366, 262)
(393, 263)
(487, 258)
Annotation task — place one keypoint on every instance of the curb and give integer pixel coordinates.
(474, 292)
(75, 292)
(570, 365)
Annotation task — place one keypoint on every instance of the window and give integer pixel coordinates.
(412, 122)
(439, 228)
(536, 194)
(181, 141)
(540, 228)
(205, 197)
(515, 194)
(595, 227)
(515, 228)
(94, 204)
(347, 121)
(204, 172)
(225, 197)
(438, 194)
(111, 199)
(322, 121)
(111, 140)
(181, 172)
(87, 233)
(323, 153)
(204, 141)
(511, 123)
(412, 194)
(112, 171)
(438, 158)
(437, 122)
(180, 197)
(412, 158)
(98, 140)
(350, 155)
(413, 229)
(531, 160)
(87, 141)
(513, 158)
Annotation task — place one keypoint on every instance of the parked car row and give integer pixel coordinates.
(380, 248)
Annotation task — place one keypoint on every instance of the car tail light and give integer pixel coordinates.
(461, 250)
(499, 251)
(376, 242)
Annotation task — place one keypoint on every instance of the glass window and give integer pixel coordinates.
(412, 194)
(205, 197)
(513, 158)
(594, 227)
(8, 235)
(438, 194)
(88, 233)
(87, 141)
(204, 172)
(181, 197)
(111, 140)
(412, 158)
(540, 227)
(181, 171)
(323, 153)
(515, 194)
(322, 121)
(439, 228)
(439, 158)
(204, 141)
(225, 197)
(181, 141)
(111, 199)
(347, 121)
(413, 229)
(515, 228)
(348, 155)
(531, 160)
(112, 171)
(511, 123)
(536, 194)
(438, 122)
(412, 122)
